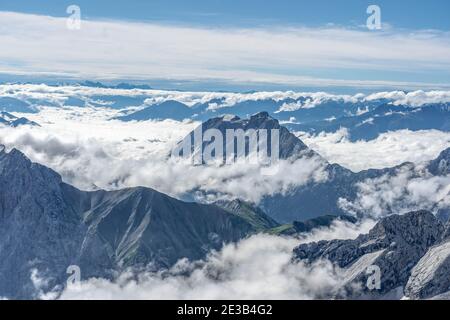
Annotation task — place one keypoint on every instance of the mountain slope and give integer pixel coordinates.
(249, 212)
(167, 110)
(429, 278)
(48, 225)
(395, 245)
(289, 145)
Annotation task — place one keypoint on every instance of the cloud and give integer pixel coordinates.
(90, 151)
(36, 44)
(44, 95)
(414, 99)
(259, 267)
(314, 99)
(408, 190)
(387, 150)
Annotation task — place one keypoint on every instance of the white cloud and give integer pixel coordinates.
(256, 268)
(408, 190)
(87, 149)
(387, 150)
(111, 49)
(314, 99)
(44, 95)
(414, 98)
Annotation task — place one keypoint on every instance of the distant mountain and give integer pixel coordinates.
(409, 251)
(9, 104)
(327, 109)
(384, 118)
(314, 199)
(301, 114)
(115, 101)
(129, 86)
(289, 145)
(167, 110)
(8, 119)
(122, 85)
(242, 109)
(48, 225)
(218, 107)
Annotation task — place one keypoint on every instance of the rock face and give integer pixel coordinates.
(395, 245)
(430, 277)
(167, 110)
(289, 145)
(47, 225)
(441, 165)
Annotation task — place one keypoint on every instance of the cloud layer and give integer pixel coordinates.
(256, 268)
(387, 150)
(91, 151)
(408, 190)
(117, 49)
(64, 95)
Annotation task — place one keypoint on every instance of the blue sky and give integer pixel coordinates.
(245, 44)
(417, 14)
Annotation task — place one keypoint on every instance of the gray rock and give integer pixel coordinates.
(430, 277)
(395, 245)
(48, 225)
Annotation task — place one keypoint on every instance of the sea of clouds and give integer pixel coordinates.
(259, 267)
(42, 94)
(92, 151)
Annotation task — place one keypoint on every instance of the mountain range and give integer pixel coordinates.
(166, 110)
(363, 121)
(315, 198)
(175, 110)
(384, 118)
(47, 225)
(412, 252)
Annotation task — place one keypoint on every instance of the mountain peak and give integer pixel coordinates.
(15, 164)
(261, 115)
(421, 223)
(440, 165)
(290, 146)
